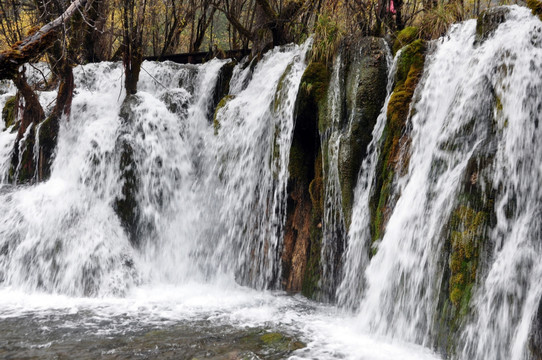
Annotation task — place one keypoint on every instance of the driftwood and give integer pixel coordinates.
(34, 45)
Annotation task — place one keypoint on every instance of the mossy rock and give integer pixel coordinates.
(312, 94)
(281, 342)
(9, 112)
(536, 7)
(395, 138)
(305, 185)
(48, 135)
(313, 271)
(221, 104)
(489, 21)
(405, 37)
(366, 81)
(466, 237)
(223, 83)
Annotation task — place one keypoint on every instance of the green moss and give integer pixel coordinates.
(409, 72)
(280, 342)
(311, 278)
(280, 94)
(315, 80)
(271, 338)
(9, 111)
(221, 104)
(412, 58)
(405, 37)
(536, 7)
(466, 237)
(297, 166)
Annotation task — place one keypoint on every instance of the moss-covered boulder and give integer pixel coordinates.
(302, 239)
(489, 21)
(395, 140)
(405, 37)
(9, 112)
(366, 81)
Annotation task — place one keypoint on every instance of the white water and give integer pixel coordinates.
(356, 257)
(403, 279)
(212, 206)
(333, 226)
(211, 201)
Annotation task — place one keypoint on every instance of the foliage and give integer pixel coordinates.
(405, 37)
(436, 21)
(536, 7)
(327, 37)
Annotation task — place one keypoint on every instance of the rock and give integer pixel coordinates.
(393, 157)
(9, 112)
(125, 205)
(300, 257)
(221, 104)
(366, 92)
(223, 83)
(488, 22)
(535, 337)
(48, 133)
(405, 37)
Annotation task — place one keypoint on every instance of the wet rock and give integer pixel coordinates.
(488, 22)
(125, 205)
(48, 133)
(221, 104)
(9, 112)
(535, 337)
(223, 83)
(394, 155)
(366, 91)
(300, 256)
(177, 101)
(405, 37)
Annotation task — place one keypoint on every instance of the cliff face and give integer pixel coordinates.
(334, 121)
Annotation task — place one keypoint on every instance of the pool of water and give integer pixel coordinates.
(194, 321)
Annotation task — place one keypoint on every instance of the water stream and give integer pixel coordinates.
(210, 191)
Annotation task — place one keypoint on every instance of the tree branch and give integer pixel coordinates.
(35, 44)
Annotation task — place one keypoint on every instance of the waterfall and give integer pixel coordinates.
(333, 226)
(507, 297)
(208, 198)
(356, 256)
(184, 187)
(471, 185)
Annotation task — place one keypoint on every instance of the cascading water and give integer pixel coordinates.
(207, 194)
(207, 199)
(359, 238)
(507, 299)
(474, 126)
(159, 208)
(333, 226)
